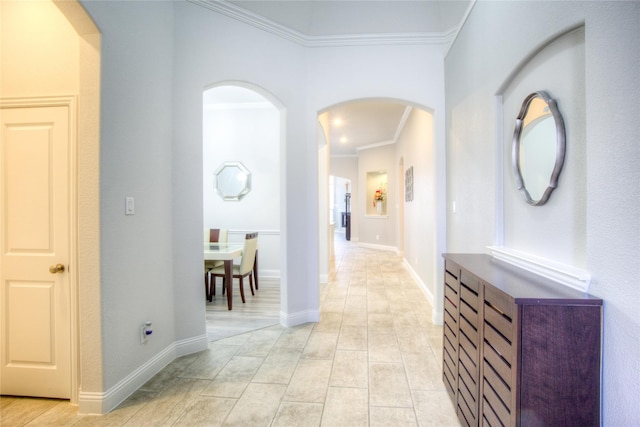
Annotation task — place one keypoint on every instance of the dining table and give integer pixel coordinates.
(226, 252)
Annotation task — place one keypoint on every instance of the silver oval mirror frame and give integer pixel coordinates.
(538, 148)
(232, 181)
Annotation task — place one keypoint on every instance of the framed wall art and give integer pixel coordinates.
(408, 185)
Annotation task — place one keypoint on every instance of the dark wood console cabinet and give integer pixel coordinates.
(518, 349)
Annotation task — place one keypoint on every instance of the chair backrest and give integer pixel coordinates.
(218, 235)
(249, 253)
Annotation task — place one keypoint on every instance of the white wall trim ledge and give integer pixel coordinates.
(563, 274)
(241, 233)
(99, 403)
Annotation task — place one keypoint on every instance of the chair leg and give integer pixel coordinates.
(251, 283)
(241, 290)
(206, 285)
(255, 270)
(212, 291)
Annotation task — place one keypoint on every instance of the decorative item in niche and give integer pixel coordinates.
(376, 186)
(378, 199)
(232, 181)
(538, 148)
(408, 185)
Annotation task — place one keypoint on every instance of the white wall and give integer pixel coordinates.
(416, 147)
(136, 160)
(493, 43)
(324, 234)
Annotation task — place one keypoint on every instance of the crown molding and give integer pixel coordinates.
(403, 120)
(375, 145)
(262, 23)
(239, 106)
(452, 34)
(343, 156)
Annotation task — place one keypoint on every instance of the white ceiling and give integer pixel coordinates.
(331, 18)
(364, 124)
(368, 123)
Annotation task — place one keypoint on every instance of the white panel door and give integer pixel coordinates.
(35, 322)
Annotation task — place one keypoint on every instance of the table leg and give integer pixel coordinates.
(228, 280)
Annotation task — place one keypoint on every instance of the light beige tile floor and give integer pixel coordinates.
(374, 359)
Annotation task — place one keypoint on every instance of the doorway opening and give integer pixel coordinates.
(387, 150)
(340, 205)
(242, 126)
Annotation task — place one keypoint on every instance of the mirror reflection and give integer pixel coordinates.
(232, 181)
(538, 148)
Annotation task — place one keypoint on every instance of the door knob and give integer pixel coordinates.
(58, 268)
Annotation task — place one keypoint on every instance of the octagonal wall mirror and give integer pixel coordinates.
(232, 181)
(538, 148)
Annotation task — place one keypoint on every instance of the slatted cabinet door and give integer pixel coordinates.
(499, 359)
(468, 349)
(450, 335)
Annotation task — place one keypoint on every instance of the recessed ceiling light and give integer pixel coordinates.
(337, 121)
(344, 140)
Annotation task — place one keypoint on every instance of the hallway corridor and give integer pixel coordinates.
(374, 359)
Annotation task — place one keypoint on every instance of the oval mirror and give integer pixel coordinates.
(538, 148)
(232, 181)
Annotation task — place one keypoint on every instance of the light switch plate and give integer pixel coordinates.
(129, 207)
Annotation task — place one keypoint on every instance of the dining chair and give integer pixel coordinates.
(213, 235)
(240, 271)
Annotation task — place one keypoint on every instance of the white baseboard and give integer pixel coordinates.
(379, 247)
(191, 345)
(268, 274)
(324, 279)
(436, 315)
(299, 318)
(427, 293)
(98, 403)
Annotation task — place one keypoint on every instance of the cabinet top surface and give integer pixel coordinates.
(525, 287)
